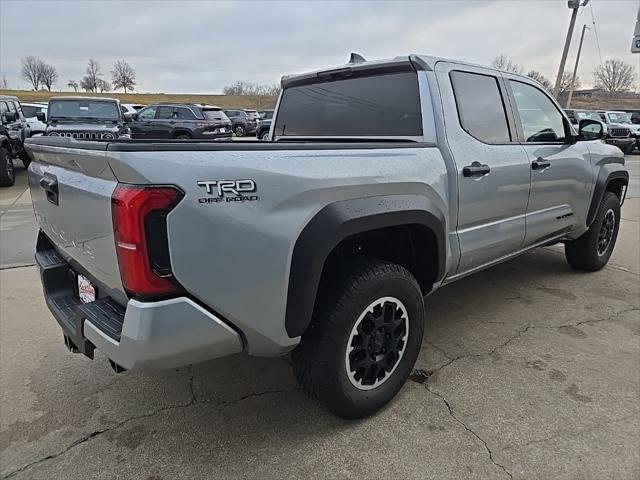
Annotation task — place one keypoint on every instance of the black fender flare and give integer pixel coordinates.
(608, 173)
(340, 220)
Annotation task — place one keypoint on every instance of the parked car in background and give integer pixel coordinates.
(620, 119)
(634, 114)
(180, 121)
(30, 111)
(131, 107)
(84, 118)
(263, 128)
(14, 130)
(618, 135)
(264, 124)
(244, 121)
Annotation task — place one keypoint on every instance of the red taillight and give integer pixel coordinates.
(139, 223)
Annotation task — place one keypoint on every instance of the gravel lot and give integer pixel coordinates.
(528, 370)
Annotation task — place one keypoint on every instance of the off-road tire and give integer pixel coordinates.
(319, 361)
(7, 172)
(583, 253)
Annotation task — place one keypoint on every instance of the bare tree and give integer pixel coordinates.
(540, 78)
(49, 75)
(73, 84)
(103, 86)
(90, 81)
(246, 88)
(3, 83)
(32, 70)
(123, 76)
(614, 76)
(565, 83)
(502, 62)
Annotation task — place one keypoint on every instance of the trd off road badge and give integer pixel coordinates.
(228, 191)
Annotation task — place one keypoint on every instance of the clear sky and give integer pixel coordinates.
(198, 46)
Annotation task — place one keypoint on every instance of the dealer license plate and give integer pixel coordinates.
(86, 290)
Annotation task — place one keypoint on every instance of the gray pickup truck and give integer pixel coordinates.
(384, 181)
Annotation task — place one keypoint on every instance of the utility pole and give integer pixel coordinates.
(575, 69)
(574, 5)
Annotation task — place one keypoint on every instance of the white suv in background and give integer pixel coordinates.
(29, 111)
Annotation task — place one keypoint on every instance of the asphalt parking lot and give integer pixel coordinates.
(528, 370)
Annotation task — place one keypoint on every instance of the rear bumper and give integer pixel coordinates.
(141, 336)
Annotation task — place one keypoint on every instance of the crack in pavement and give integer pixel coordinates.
(569, 432)
(96, 433)
(518, 334)
(486, 446)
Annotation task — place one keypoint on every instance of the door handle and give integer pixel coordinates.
(540, 164)
(476, 168)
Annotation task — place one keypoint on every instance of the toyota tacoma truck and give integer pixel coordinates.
(384, 181)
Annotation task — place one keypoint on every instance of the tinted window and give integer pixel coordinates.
(185, 113)
(83, 109)
(541, 120)
(480, 107)
(147, 113)
(381, 105)
(267, 115)
(165, 113)
(215, 115)
(3, 108)
(12, 107)
(30, 111)
(231, 113)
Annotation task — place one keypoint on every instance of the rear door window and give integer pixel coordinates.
(481, 108)
(165, 113)
(379, 105)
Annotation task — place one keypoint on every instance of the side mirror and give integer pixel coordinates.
(10, 117)
(130, 117)
(41, 116)
(590, 130)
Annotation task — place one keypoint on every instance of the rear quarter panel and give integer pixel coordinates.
(235, 256)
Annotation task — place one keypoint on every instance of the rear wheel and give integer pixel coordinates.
(264, 135)
(364, 339)
(7, 173)
(183, 136)
(592, 250)
(239, 131)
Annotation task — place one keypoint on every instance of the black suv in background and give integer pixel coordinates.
(14, 129)
(264, 124)
(244, 121)
(180, 121)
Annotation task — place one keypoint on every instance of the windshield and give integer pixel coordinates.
(84, 109)
(618, 117)
(215, 115)
(588, 116)
(379, 105)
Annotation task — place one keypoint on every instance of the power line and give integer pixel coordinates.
(595, 31)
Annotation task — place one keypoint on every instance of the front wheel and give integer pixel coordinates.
(264, 135)
(593, 249)
(364, 339)
(7, 173)
(239, 131)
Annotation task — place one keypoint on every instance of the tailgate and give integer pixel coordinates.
(71, 192)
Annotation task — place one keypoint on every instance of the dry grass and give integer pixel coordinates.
(225, 101)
